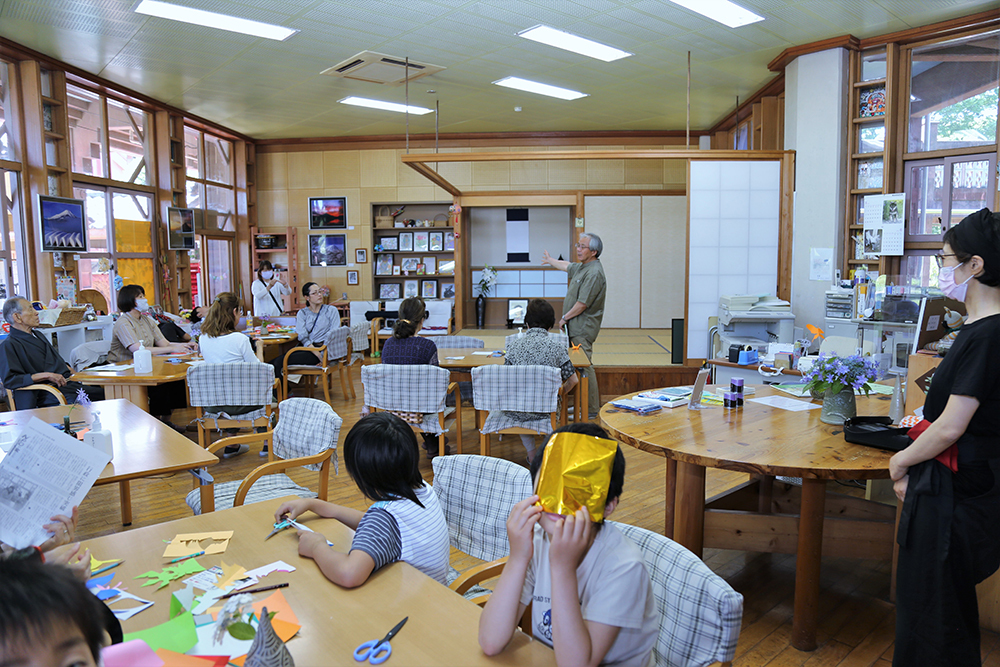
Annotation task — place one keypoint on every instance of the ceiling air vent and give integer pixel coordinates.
(380, 68)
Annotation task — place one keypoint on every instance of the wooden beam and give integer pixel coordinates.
(980, 21)
(785, 226)
(434, 177)
(849, 42)
(653, 154)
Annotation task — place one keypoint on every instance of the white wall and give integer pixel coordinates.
(618, 221)
(549, 228)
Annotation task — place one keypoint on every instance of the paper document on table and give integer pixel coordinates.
(109, 367)
(784, 403)
(483, 353)
(45, 473)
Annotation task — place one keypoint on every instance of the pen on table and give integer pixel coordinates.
(177, 560)
(254, 590)
(106, 568)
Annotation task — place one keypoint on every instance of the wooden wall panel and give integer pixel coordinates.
(378, 169)
(342, 169)
(567, 172)
(617, 220)
(529, 173)
(490, 174)
(616, 381)
(606, 172)
(644, 172)
(305, 170)
(272, 171)
(664, 252)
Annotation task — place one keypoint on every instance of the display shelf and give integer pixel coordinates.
(412, 211)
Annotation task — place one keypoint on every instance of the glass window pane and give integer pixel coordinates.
(925, 193)
(920, 270)
(870, 173)
(969, 188)
(192, 153)
(139, 272)
(86, 131)
(127, 132)
(218, 160)
(219, 273)
(872, 102)
(133, 231)
(94, 274)
(871, 138)
(96, 209)
(4, 293)
(222, 201)
(6, 151)
(873, 65)
(197, 286)
(195, 194)
(953, 94)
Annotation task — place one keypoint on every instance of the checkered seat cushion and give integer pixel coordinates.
(458, 342)
(501, 390)
(559, 337)
(700, 614)
(418, 388)
(359, 340)
(268, 487)
(232, 384)
(336, 348)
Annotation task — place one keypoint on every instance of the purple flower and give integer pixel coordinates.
(82, 398)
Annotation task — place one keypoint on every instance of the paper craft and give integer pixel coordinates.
(785, 403)
(277, 603)
(175, 659)
(190, 543)
(184, 598)
(114, 368)
(171, 572)
(101, 581)
(134, 653)
(230, 575)
(177, 634)
(799, 390)
(98, 564)
(129, 612)
(205, 580)
(455, 358)
(482, 354)
(210, 599)
(264, 570)
(285, 623)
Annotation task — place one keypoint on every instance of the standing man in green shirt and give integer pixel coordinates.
(583, 307)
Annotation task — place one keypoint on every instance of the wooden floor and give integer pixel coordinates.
(856, 619)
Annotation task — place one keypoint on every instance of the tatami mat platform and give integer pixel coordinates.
(614, 347)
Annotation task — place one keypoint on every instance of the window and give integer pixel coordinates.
(108, 138)
(127, 128)
(6, 150)
(86, 131)
(11, 234)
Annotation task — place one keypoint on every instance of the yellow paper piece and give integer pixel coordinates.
(98, 564)
(575, 473)
(230, 573)
(191, 543)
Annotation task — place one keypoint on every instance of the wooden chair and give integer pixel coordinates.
(335, 354)
(499, 390)
(440, 320)
(232, 384)
(563, 341)
(35, 387)
(306, 436)
(94, 298)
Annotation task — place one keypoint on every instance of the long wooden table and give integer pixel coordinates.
(134, 386)
(270, 346)
(759, 515)
(143, 445)
(443, 626)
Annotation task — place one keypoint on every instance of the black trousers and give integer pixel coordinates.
(165, 398)
(299, 358)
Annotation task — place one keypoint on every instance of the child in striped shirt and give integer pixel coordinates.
(405, 522)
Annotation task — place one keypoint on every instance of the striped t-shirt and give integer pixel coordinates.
(402, 530)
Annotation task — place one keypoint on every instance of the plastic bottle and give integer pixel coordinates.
(143, 359)
(896, 409)
(99, 437)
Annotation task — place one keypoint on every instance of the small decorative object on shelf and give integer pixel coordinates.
(838, 377)
(486, 282)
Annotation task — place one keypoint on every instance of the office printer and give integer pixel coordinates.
(754, 320)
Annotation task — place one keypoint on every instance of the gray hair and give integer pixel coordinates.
(596, 246)
(13, 306)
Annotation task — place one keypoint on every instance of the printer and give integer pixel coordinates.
(754, 320)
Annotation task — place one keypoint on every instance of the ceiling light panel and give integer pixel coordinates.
(384, 106)
(723, 11)
(567, 41)
(165, 10)
(540, 88)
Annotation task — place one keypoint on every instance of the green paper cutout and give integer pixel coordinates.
(171, 573)
(176, 608)
(178, 634)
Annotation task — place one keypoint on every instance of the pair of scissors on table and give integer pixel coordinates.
(378, 651)
(290, 523)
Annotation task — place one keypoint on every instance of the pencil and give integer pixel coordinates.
(254, 590)
(107, 567)
(177, 560)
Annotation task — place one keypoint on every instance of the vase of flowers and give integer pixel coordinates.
(838, 378)
(486, 282)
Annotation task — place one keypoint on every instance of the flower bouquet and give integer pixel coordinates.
(837, 378)
(487, 280)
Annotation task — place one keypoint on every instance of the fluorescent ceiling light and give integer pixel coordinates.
(385, 106)
(574, 43)
(165, 10)
(723, 11)
(540, 88)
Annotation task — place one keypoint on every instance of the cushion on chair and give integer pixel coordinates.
(497, 421)
(459, 342)
(242, 383)
(268, 487)
(417, 388)
(516, 388)
(307, 427)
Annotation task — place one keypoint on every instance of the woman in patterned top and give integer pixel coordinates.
(536, 348)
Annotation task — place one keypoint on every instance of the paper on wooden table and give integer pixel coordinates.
(192, 543)
(784, 403)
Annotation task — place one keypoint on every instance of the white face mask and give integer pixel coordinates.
(142, 304)
(267, 275)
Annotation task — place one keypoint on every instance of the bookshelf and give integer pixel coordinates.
(398, 253)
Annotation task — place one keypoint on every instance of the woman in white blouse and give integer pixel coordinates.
(268, 290)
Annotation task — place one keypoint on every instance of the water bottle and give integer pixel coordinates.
(143, 359)
(896, 409)
(99, 438)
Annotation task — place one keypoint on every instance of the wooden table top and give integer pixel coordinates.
(469, 360)
(163, 371)
(275, 338)
(443, 626)
(143, 444)
(757, 439)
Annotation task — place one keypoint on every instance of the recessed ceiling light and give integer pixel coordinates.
(165, 10)
(723, 11)
(540, 88)
(384, 106)
(575, 43)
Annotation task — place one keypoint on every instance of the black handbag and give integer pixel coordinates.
(876, 432)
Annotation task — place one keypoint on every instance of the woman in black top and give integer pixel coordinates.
(948, 478)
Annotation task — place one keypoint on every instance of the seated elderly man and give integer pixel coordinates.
(535, 348)
(27, 358)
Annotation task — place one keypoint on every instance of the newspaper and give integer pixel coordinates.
(45, 473)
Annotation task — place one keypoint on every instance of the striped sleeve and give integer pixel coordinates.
(378, 536)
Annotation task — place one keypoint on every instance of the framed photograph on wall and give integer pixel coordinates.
(328, 213)
(447, 290)
(516, 308)
(383, 264)
(410, 263)
(431, 265)
(180, 228)
(420, 241)
(327, 250)
(429, 289)
(388, 291)
(361, 256)
(447, 267)
(406, 242)
(436, 241)
(352, 277)
(449, 241)
(64, 225)
(411, 288)
(389, 242)
(397, 270)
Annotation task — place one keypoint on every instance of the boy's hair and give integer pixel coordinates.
(617, 483)
(35, 598)
(220, 319)
(382, 457)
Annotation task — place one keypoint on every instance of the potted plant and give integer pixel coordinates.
(837, 378)
(486, 282)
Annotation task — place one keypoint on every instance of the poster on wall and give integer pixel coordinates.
(63, 224)
(327, 250)
(180, 228)
(884, 226)
(328, 213)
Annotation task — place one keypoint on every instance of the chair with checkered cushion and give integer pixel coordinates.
(560, 337)
(306, 436)
(417, 393)
(335, 355)
(498, 391)
(240, 384)
(458, 342)
(700, 614)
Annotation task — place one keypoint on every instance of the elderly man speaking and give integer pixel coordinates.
(27, 358)
(583, 307)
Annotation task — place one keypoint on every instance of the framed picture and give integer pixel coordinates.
(361, 256)
(449, 241)
(421, 269)
(431, 264)
(327, 250)
(388, 291)
(411, 288)
(447, 290)
(516, 308)
(410, 263)
(328, 213)
(383, 264)
(420, 241)
(396, 270)
(429, 289)
(180, 228)
(406, 242)
(63, 224)
(352, 277)
(447, 267)
(436, 241)
(389, 243)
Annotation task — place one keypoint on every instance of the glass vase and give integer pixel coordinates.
(838, 406)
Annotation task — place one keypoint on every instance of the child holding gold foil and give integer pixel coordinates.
(592, 600)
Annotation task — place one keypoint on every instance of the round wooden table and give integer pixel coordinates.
(766, 441)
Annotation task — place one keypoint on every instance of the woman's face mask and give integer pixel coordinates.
(142, 304)
(947, 284)
(267, 275)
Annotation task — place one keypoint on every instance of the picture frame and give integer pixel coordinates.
(327, 250)
(421, 269)
(406, 242)
(431, 265)
(383, 264)
(63, 224)
(389, 242)
(436, 242)
(449, 241)
(328, 213)
(352, 277)
(180, 228)
(447, 267)
(396, 270)
(388, 291)
(516, 309)
(428, 289)
(447, 290)
(410, 264)
(411, 288)
(361, 255)
(420, 241)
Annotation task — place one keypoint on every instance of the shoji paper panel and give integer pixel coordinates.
(618, 221)
(663, 248)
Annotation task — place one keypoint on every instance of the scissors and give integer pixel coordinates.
(290, 523)
(377, 652)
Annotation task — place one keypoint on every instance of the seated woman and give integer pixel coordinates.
(535, 348)
(313, 324)
(405, 348)
(134, 327)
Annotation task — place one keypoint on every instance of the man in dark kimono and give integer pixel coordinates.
(27, 358)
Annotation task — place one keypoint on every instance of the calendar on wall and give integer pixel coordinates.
(884, 226)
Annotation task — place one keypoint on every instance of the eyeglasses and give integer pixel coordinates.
(583, 246)
(939, 258)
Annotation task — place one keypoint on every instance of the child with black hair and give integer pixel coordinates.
(590, 593)
(405, 522)
(47, 616)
